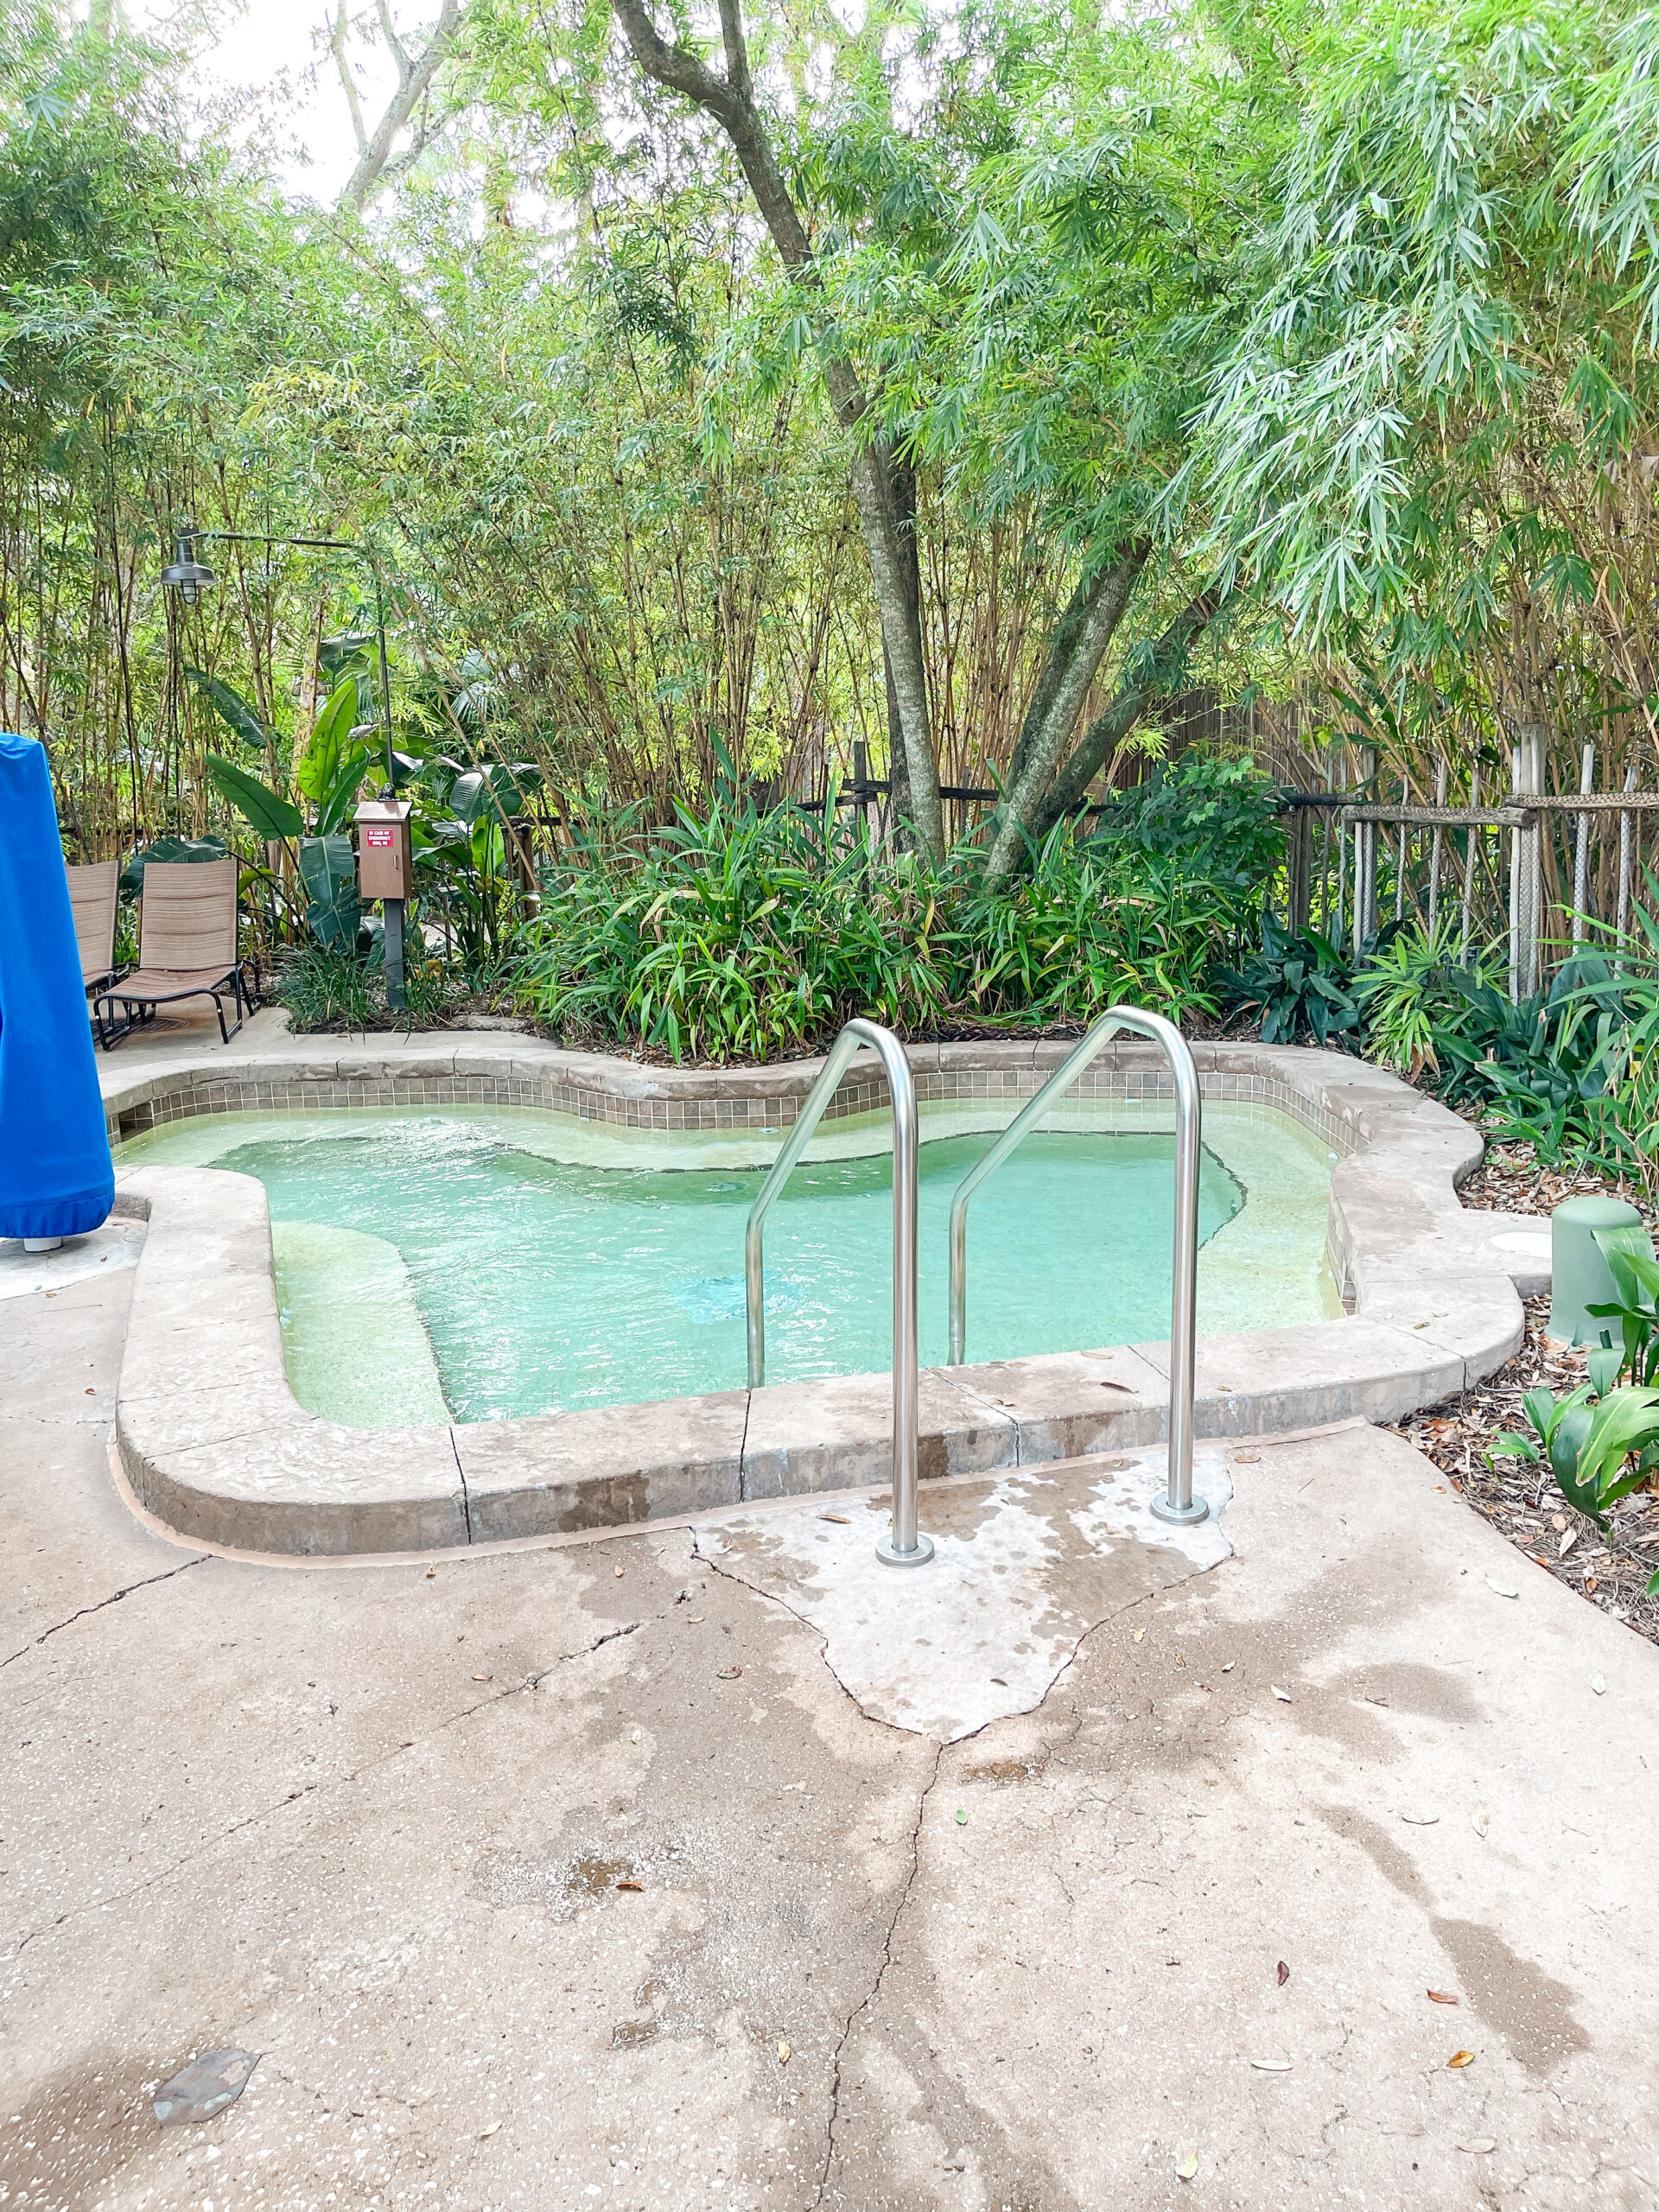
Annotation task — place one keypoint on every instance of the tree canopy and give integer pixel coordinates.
(718, 392)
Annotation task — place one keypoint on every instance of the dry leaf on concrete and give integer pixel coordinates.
(1480, 1821)
(1480, 2143)
(1283, 1696)
(1283, 1972)
(1186, 2164)
(783, 2054)
(1421, 1820)
(1598, 1685)
(1461, 2058)
(1271, 2065)
(1445, 1997)
(1503, 1589)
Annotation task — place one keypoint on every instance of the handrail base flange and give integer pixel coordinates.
(1195, 1509)
(889, 1555)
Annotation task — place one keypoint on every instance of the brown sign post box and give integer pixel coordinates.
(385, 870)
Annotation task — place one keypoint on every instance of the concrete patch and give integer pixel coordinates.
(1024, 1565)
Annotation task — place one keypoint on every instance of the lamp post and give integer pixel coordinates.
(190, 578)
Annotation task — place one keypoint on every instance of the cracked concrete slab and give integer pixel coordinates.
(1026, 1564)
(383, 1822)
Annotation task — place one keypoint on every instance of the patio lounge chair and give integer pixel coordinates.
(92, 899)
(186, 948)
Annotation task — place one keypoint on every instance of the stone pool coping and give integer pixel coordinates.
(214, 1444)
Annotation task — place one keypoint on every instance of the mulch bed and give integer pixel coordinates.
(1523, 1502)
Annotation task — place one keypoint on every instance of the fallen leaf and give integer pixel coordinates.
(998, 1680)
(729, 1673)
(1567, 1542)
(1245, 1458)
(1421, 1820)
(1598, 1685)
(841, 1518)
(484, 2133)
(696, 1619)
(628, 1884)
(961, 1818)
(1590, 1584)
(783, 2054)
(1439, 1490)
(1271, 2065)
(1461, 2058)
(1139, 1633)
(1283, 1696)
(1478, 1822)
(1558, 1520)
(617, 1573)
(431, 1572)
(1444, 1996)
(1283, 1972)
(481, 1678)
(1228, 1666)
(1480, 2143)
(1502, 1588)
(1186, 2162)
(634, 1738)
(1118, 1385)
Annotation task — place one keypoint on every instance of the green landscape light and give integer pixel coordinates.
(1580, 1274)
(188, 576)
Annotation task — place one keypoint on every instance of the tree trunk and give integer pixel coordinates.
(730, 101)
(1079, 645)
(902, 478)
(1133, 696)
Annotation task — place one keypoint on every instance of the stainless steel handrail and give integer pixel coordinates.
(904, 1546)
(1177, 1503)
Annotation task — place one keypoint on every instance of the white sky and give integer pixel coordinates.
(274, 52)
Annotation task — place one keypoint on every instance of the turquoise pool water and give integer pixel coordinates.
(539, 1283)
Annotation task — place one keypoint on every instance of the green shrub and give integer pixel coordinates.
(746, 936)
(1298, 985)
(323, 988)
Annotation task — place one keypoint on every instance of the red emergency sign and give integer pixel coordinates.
(378, 836)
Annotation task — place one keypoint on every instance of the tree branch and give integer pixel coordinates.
(415, 77)
(337, 47)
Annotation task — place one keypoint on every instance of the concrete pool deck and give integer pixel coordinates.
(214, 1444)
(369, 1819)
